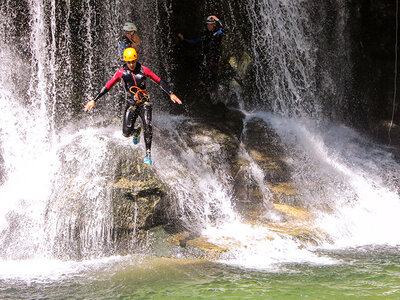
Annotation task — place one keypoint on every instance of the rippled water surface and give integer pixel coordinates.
(358, 273)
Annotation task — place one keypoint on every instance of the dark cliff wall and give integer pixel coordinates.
(372, 25)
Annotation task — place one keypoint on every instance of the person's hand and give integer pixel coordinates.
(215, 18)
(180, 35)
(89, 105)
(175, 99)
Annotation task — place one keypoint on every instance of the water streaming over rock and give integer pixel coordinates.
(297, 55)
(55, 191)
(303, 70)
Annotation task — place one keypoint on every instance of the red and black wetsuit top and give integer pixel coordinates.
(134, 80)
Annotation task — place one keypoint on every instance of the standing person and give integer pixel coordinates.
(210, 40)
(138, 101)
(130, 38)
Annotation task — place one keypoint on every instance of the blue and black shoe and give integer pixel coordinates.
(136, 136)
(147, 159)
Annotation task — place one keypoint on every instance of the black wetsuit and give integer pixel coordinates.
(211, 49)
(138, 101)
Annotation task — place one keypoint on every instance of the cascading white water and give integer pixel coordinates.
(295, 63)
(350, 184)
(56, 182)
(25, 143)
(32, 218)
(284, 55)
(203, 192)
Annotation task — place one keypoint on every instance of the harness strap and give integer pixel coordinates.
(139, 94)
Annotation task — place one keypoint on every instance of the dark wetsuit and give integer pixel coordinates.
(211, 43)
(138, 102)
(211, 47)
(123, 44)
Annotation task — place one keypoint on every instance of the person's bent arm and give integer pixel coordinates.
(217, 20)
(135, 40)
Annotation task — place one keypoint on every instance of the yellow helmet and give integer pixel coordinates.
(129, 54)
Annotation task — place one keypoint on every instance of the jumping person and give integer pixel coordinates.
(130, 38)
(138, 101)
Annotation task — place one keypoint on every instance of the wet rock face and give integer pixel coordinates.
(261, 171)
(136, 191)
(372, 24)
(141, 200)
(207, 140)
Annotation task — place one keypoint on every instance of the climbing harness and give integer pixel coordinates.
(140, 94)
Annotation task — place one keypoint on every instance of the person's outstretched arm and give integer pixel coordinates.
(192, 42)
(117, 76)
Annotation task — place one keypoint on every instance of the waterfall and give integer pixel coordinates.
(302, 74)
(294, 56)
(202, 187)
(25, 139)
(55, 175)
(57, 164)
(348, 182)
(36, 71)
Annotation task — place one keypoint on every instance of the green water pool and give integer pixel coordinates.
(362, 273)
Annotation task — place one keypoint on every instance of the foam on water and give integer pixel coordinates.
(258, 247)
(42, 269)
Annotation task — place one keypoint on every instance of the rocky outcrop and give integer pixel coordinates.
(135, 193)
(142, 201)
(254, 160)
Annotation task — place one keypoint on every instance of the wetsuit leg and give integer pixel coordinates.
(130, 115)
(146, 116)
